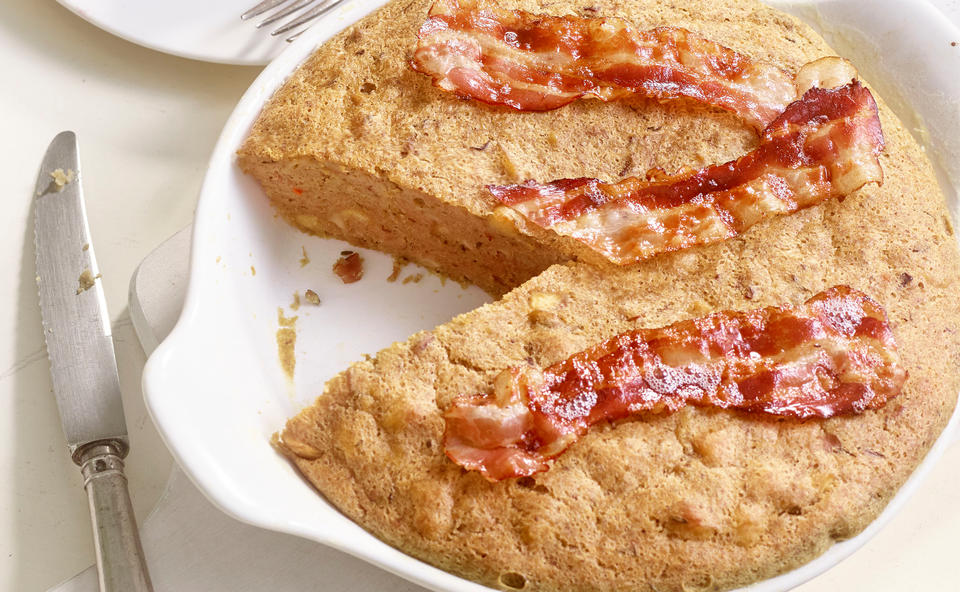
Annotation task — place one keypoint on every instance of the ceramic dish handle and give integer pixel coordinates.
(120, 562)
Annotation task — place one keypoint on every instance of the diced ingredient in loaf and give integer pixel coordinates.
(544, 300)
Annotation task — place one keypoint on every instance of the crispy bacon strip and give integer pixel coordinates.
(533, 62)
(824, 145)
(833, 355)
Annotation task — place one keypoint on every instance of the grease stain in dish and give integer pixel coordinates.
(286, 343)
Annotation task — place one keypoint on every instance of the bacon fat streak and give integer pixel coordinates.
(824, 145)
(533, 62)
(833, 355)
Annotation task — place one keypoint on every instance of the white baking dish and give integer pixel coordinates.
(217, 393)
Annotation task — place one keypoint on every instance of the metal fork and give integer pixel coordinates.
(308, 10)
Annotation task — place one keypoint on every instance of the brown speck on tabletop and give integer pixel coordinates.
(305, 260)
(253, 270)
(86, 247)
(349, 267)
(311, 297)
(295, 305)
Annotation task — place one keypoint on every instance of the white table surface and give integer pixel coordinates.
(147, 123)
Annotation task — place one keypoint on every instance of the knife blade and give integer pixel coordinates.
(83, 365)
(76, 324)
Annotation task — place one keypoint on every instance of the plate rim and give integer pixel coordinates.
(78, 8)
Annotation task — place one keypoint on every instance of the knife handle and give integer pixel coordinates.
(120, 561)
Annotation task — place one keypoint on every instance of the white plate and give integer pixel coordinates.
(208, 30)
(214, 386)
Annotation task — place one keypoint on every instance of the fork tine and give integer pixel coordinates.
(293, 37)
(260, 8)
(293, 7)
(315, 12)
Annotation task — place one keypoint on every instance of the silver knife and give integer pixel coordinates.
(76, 326)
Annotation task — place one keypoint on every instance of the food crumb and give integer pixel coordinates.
(295, 305)
(253, 270)
(398, 264)
(415, 278)
(61, 179)
(86, 247)
(286, 343)
(311, 297)
(285, 321)
(87, 280)
(218, 258)
(349, 267)
(305, 260)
